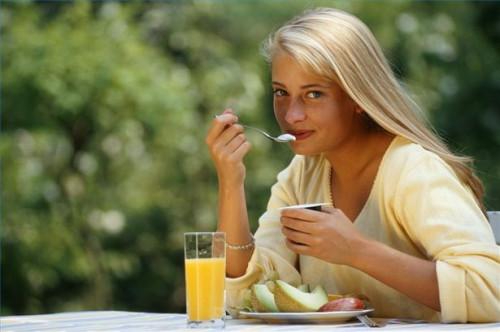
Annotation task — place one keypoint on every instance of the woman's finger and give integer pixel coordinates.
(235, 143)
(296, 237)
(297, 224)
(302, 214)
(219, 124)
(328, 209)
(230, 133)
(242, 150)
(226, 137)
(297, 247)
(220, 145)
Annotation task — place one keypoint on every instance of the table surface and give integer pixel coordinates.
(137, 321)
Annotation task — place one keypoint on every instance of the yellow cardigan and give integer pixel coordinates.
(418, 206)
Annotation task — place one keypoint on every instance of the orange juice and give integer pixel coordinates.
(205, 279)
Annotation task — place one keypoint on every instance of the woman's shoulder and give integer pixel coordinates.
(408, 168)
(405, 156)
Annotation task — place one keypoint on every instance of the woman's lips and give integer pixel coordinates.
(301, 135)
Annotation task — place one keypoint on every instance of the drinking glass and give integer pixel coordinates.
(205, 270)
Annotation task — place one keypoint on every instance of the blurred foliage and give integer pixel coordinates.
(105, 106)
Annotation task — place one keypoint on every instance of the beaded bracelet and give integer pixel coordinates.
(246, 246)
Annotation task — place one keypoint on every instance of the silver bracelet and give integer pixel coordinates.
(246, 246)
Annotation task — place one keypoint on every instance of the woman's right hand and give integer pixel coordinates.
(228, 146)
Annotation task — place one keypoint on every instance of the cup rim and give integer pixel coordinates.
(303, 206)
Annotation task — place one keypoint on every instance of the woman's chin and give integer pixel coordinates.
(303, 151)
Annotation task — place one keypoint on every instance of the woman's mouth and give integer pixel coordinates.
(301, 134)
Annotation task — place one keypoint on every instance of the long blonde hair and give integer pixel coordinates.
(338, 46)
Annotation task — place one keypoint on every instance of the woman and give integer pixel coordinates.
(407, 228)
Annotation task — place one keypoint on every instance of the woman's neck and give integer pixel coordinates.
(352, 158)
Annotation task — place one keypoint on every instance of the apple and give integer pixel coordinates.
(343, 304)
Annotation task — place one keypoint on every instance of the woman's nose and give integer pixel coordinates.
(295, 112)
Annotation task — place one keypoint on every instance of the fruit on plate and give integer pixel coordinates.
(292, 299)
(271, 285)
(304, 288)
(343, 304)
(332, 297)
(262, 299)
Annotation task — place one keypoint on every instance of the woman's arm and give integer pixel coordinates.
(332, 237)
(410, 275)
(228, 146)
(233, 219)
(440, 215)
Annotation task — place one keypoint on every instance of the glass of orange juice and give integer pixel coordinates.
(205, 270)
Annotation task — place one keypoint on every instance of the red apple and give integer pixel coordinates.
(343, 304)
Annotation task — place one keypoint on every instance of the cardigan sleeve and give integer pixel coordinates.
(442, 218)
(271, 258)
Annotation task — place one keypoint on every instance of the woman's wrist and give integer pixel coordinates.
(363, 254)
(231, 183)
(250, 244)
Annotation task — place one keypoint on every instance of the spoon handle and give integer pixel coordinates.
(260, 131)
(272, 138)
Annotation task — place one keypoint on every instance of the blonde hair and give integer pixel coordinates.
(338, 46)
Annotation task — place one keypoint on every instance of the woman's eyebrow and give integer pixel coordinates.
(306, 86)
(314, 85)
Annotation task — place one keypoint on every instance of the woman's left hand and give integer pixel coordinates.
(328, 235)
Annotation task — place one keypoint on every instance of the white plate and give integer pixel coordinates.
(305, 317)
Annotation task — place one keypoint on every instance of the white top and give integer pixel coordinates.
(418, 206)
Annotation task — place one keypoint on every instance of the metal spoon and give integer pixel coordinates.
(283, 138)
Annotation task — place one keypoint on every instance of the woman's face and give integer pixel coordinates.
(316, 111)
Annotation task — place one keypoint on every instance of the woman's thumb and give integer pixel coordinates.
(328, 209)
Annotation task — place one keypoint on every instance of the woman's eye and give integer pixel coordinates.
(279, 92)
(314, 94)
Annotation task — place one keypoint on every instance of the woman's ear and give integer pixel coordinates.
(351, 104)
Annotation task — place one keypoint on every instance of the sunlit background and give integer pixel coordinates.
(105, 107)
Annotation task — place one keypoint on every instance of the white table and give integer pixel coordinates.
(137, 321)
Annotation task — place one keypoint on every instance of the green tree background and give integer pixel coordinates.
(105, 107)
